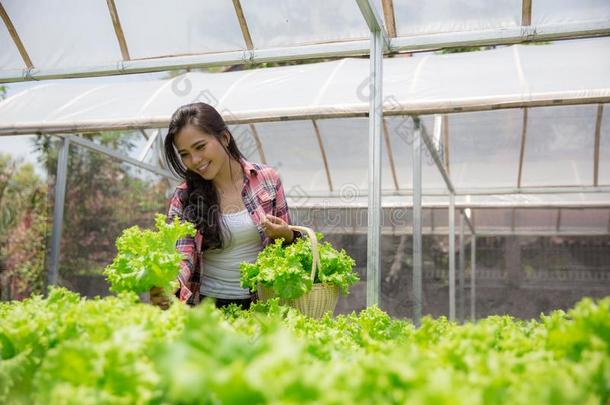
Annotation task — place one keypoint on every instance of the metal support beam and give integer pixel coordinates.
(161, 63)
(323, 153)
(451, 257)
(500, 36)
(417, 224)
(488, 191)
(373, 268)
(58, 211)
(243, 24)
(15, 36)
(462, 268)
(118, 29)
(446, 140)
(468, 222)
(598, 129)
(530, 190)
(149, 145)
(259, 144)
(437, 160)
(85, 143)
(522, 148)
(473, 283)
(388, 145)
(164, 63)
(373, 20)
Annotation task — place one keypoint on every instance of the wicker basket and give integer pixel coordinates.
(322, 297)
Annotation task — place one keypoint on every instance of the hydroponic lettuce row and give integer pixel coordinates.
(288, 269)
(147, 258)
(115, 350)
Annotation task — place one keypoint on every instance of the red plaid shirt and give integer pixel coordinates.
(262, 194)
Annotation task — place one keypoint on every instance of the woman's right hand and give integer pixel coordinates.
(158, 298)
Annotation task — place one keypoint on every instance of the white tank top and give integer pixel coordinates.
(220, 267)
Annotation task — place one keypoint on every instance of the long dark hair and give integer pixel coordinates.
(201, 200)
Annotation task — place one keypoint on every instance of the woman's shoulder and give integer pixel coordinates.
(179, 194)
(262, 171)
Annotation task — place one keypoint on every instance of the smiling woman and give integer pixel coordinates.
(238, 207)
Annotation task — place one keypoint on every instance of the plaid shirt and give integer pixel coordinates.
(262, 194)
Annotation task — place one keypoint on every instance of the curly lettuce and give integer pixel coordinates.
(148, 258)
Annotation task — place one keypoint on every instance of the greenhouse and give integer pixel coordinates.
(457, 152)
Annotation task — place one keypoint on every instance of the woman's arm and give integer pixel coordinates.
(276, 225)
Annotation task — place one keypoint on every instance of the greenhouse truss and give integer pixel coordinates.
(386, 127)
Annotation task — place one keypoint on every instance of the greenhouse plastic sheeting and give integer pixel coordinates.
(564, 11)
(62, 33)
(571, 70)
(79, 34)
(434, 16)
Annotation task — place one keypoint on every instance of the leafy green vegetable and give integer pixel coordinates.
(147, 258)
(69, 350)
(288, 269)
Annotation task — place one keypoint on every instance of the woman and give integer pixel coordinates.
(237, 207)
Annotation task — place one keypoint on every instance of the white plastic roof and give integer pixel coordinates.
(565, 72)
(79, 33)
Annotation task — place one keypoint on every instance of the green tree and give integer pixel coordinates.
(23, 222)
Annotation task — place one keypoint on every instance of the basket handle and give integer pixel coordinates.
(315, 262)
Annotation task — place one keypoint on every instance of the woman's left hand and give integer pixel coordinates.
(276, 227)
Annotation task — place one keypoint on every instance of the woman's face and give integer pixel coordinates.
(200, 152)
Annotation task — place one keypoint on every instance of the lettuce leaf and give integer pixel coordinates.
(287, 269)
(147, 258)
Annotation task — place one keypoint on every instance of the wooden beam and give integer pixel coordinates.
(323, 152)
(11, 29)
(598, 129)
(243, 24)
(118, 29)
(522, 149)
(386, 137)
(526, 12)
(259, 144)
(390, 20)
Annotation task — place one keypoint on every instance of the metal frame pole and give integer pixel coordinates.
(462, 287)
(85, 143)
(417, 224)
(473, 272)
(452, 257)
(373, 266)
(58, 211)
(150, 144)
